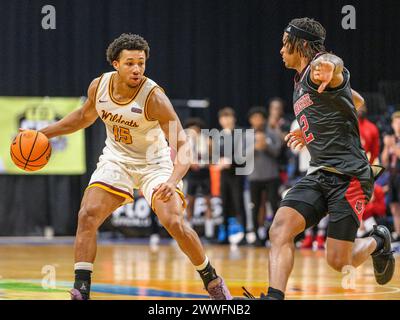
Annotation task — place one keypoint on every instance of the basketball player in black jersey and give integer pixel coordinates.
(340, 180)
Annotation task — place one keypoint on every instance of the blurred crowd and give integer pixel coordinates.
(276, 169)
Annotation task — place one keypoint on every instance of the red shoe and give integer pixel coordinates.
(320, 242)
(307, 242)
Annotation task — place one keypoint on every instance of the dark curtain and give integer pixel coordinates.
(224, 50)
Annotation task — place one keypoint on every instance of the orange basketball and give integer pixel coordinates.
(30, 150)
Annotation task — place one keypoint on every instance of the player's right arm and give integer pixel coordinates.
(78, 119)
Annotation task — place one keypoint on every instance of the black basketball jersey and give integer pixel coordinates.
(329, 124)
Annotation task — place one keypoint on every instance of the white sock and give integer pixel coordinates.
(203, 265)
(83, 266)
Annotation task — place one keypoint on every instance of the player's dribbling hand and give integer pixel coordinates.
(323, 71)
(164, 191)
(295, 140)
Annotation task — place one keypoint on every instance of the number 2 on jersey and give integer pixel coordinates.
(308, 137)
(122, 134)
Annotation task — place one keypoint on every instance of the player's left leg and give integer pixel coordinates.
(341, 243)
(344, 250)
(347, 197)
(170, 215)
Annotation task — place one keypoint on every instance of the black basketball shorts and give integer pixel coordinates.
(342, 196)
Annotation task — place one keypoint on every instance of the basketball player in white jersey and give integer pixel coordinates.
(137, 115)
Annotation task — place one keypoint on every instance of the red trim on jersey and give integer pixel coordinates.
(356, 198)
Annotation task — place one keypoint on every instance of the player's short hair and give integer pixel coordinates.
(312, 28)
(126, 41)
(226, 111)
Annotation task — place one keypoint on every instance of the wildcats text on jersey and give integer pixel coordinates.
(117, 118)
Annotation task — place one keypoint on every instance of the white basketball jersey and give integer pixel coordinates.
(131, 136)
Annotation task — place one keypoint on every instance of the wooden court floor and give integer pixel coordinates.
(128, 271)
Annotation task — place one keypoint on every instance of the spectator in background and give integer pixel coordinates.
(276, 112)
(374, 212)
(276, 120)
(232, 185)
(369, 135)
(265, 176)
(391, 159)
(198, 176)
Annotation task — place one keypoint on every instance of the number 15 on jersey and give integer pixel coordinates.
(122, 134)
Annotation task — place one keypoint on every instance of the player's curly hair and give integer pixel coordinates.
(126, 41)
(313, 47)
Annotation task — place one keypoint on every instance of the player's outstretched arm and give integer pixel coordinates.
(327, 71)
(78, 119)
(160, 109)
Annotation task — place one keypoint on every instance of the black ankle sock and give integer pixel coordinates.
(379, 242)
(276, 294)
(208, 274)
(82, 282)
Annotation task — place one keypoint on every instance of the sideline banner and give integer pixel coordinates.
(68, 152)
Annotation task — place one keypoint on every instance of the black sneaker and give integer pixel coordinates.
(248, 296)
(383, 260)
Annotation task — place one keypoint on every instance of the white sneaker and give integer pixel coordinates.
(236, 238)
(395, 237)
(251, 237)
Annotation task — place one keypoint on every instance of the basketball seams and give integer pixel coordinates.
(20, 164)
(20, 147)
(23, 162)
(33, 145)
(26, 163)
(15, 157)
(48, 145)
